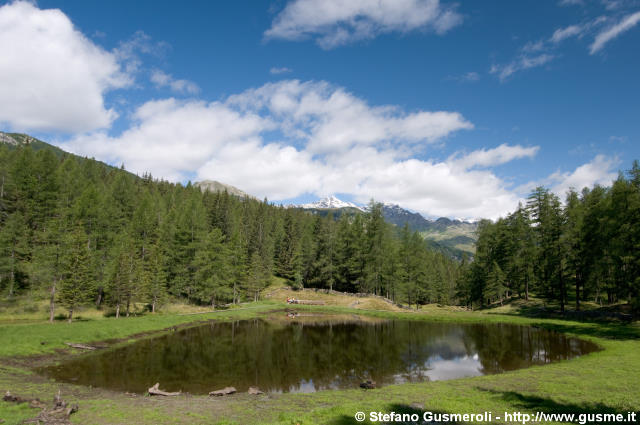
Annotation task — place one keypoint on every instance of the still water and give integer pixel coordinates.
(307, 354)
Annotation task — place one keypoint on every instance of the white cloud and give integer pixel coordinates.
(329, 119)
(571, 2)
(162, 79)
(336, 22)
(52, 78)
(289, 138)
(625, 24)
(171, 138)
(468, 77)
(612, 4)
(492, 157)
(533, 47)
(522, 62)
(564, 33)
(600, 170)
(282, 70)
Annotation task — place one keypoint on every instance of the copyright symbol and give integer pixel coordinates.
(360, 416)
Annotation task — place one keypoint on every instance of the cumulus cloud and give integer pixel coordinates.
(285, 139)
(328, 119)
(162, 79)
(605, 36)
(600, 170)
(52, 78)
(171, 138)
(334, 22)
(492, 157)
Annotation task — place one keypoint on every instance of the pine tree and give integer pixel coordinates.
(214, 274)
(75, 285)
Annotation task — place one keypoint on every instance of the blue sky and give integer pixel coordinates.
(447, 108)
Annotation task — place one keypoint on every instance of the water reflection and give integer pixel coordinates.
(311, 355)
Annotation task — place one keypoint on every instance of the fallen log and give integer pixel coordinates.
(222, 392)
(308, 302)
(254, 391)
(155, 390)
(80, 346)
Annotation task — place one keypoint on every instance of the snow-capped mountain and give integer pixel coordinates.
(330, 202)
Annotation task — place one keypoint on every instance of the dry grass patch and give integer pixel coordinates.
(281, 294)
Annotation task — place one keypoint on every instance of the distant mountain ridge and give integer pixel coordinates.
(453, 237)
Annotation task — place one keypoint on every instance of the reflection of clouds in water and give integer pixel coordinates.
(460, 367)
(304, 386)
(437, 369)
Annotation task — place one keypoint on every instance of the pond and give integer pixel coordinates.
(307, 354)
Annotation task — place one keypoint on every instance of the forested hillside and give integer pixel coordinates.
(587, 248)
(79, 232)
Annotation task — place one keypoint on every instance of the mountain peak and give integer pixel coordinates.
(330, 202)
(216, 186)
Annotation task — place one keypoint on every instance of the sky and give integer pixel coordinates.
(454, 109)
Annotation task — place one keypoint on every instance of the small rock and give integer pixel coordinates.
(36, 404)
(254, 391)
(368, 385)
(224, 391)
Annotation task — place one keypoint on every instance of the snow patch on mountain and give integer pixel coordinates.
(330, 202)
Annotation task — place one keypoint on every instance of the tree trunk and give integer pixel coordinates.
(70, 315)
(563, 288)
(526, 289)
(153, 305)
(128, 304)
(578, 279)
(13, 274)
(99, 299)
(52, 301)
(117, 310)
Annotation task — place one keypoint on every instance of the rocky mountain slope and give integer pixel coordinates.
(216, 186)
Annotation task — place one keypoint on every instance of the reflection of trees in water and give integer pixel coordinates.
(335, 355)
(508, 347)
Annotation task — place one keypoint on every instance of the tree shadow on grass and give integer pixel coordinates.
(530, 403)
(396, 408)
(601, 330)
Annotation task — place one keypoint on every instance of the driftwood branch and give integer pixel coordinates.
(80, 346)
(57, 415)
(254, 391)
(157, 391)
(224, 391)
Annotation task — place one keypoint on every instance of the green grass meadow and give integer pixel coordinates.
(607, 381)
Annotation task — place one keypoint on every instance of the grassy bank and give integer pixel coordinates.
(607, 381)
